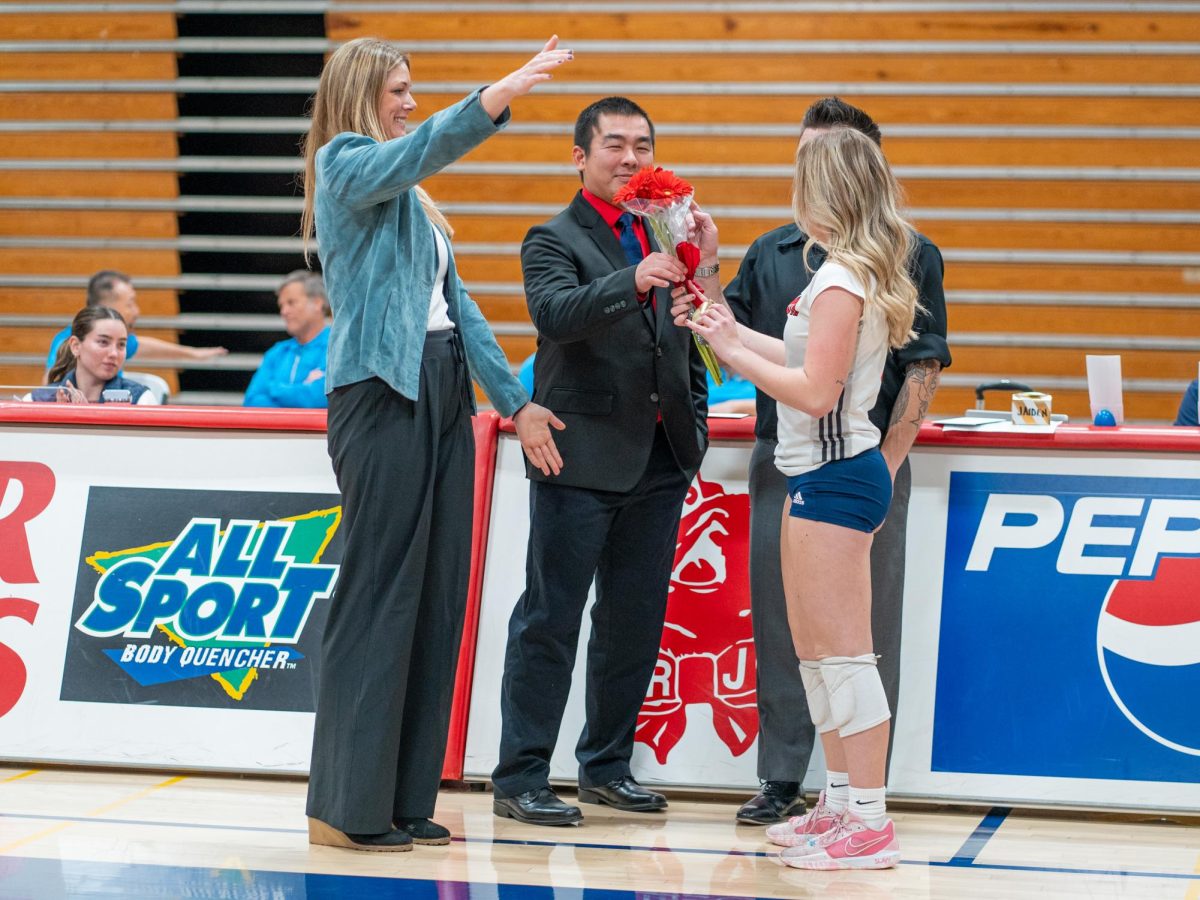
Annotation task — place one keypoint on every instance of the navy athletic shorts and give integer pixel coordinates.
(854, 493)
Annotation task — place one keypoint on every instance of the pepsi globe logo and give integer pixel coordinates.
(1148, 645)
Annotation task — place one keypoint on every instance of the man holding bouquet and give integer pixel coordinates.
(630, 387)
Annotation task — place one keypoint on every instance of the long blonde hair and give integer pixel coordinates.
(844, 188)
(347, 99)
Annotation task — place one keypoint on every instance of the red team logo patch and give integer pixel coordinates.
(707, 651)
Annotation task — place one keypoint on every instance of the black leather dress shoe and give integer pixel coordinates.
(624, 794)
(777, 801)
(537, 807)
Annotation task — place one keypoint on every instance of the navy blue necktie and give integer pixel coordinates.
(629, 239)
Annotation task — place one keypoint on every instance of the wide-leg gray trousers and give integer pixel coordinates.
(406, 472)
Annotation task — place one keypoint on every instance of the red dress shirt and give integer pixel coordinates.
(610, 214)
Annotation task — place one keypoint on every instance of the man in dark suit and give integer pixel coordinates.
(631, 389)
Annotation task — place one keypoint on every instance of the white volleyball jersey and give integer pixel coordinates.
(807, 442)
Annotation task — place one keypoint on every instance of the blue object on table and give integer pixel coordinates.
(1105, 418)
(732, 387)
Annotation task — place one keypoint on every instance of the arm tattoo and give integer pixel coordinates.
(921, 377)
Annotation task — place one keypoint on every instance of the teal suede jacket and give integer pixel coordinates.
(379, 260)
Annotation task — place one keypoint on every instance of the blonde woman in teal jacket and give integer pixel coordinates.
(406, 340)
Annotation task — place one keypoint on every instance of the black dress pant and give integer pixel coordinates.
(406, 471)
(626, 541)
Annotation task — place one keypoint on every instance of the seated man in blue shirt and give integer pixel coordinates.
(293, 371)
(115, 290)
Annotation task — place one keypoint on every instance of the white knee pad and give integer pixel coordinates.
(856, 698)
(818, 695)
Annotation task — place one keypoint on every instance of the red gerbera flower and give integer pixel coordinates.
(654, 184)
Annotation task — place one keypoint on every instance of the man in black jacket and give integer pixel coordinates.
(631, 390)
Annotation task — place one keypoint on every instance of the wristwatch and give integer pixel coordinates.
(705, 271)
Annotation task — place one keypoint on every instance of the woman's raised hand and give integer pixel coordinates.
(496, 97)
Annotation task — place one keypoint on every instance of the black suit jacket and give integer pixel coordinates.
(606, 364)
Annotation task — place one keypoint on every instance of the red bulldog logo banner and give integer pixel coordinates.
(707, 650)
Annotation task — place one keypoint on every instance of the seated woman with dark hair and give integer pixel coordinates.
(88, 366)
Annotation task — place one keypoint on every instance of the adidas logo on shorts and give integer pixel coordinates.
(797, 499)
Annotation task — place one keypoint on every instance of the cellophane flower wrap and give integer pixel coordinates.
(662, 198)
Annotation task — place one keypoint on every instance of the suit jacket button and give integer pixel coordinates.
(658, 351)
(654, 397)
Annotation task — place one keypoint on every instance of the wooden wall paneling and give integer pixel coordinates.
(89, 184)
(107, 145)
(675, 150)
(982, 234)
(699, 24)
(1017, 361)
(775, 190)
(116, 223)
(66, 302)
(85, 262)
(744, 66)
(90, 66)
(89, 107)
(925, 109)
(73, 25)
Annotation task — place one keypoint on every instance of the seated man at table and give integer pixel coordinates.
(115, 290)
(292, 373)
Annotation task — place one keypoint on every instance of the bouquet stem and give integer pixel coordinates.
(706, 352)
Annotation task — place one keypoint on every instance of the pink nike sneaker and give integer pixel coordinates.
(798, 829)
(852, 845)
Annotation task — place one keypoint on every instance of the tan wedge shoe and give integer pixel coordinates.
(328, 836)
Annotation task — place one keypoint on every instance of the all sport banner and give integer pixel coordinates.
(201, 598)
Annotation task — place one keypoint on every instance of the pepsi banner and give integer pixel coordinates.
(1069, 642)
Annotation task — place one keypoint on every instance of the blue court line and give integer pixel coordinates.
(1000, 867)
(634, 848)
(980, 836)
(65, 879)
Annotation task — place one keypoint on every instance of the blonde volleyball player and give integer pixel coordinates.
(825, 375)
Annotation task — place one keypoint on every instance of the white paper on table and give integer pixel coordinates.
(999, 426)
(1104, 386)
